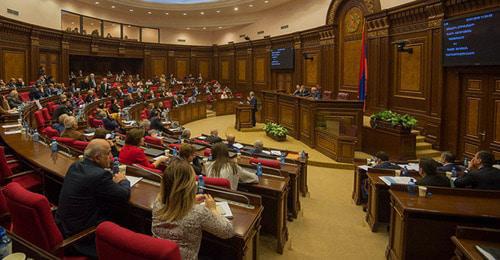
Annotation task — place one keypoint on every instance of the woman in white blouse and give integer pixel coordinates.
(177, 216)
(225, 167)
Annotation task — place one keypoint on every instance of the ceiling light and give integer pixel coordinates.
(188, 28)
(202, 13)
(236, 8)
(72, 22)
(166, 13)
(91, 23)
(129, 26)
(218, 11)
(204, 28)
(131, 10)
(220, 27)
(96, 3)
(250, 5)
(113, 6)
(150, 12)
(266, 1)
(184, 14)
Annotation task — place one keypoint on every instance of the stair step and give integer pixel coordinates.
(420, 138)
(424, 146)
(417, 132)
(428, 153)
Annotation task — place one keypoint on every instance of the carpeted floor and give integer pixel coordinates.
(329, 226)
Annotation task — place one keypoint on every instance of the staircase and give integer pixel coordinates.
(424, 149)
(210, 113)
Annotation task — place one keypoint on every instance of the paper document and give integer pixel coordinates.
(201, 137)
(133, 180)
(12, 132)
(266, 152)
(275, 152)
(364, 167)
(90, 134)
(410, 166)
(11, 126)
(389, 180)
(238, 145)
(223, 208)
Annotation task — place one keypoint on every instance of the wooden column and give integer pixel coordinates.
(34, 57)
(65, 61)
(327, 42)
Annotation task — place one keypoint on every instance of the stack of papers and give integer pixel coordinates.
(133, 180)
(389, 180)
(11, 126)
(275, 152)
(12, 132)
(238, 145)
(410, 166)
(223, 208)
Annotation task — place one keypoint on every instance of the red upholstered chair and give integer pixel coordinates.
(11, 173)
(64, 140)
(32, 220)
(79, 145)
(121, 102)
(238, 95)
(219, 182)
(197, 141)
(51, 106)
(157, 171)
(167, 104)
(46, 114)
(90, 119)
(115, 242)
(25, 96)
(96, 123)
(207, 152)
(269, 163)
(40, 120)
(153, 140)
(4, 212)
(50, 132)
(176, 146)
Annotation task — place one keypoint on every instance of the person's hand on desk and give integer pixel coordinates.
(162, 159)
(210, 204)
(117, 178)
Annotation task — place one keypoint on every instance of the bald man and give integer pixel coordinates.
(89, 194)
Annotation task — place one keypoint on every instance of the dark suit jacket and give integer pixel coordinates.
(253, 103)
(434, 180)
(87, 197)
(156, 124)
(213, 139)
(449, 167)
(486, 178)
(387, 165)
(110, 124)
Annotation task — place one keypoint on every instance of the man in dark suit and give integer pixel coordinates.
(258, 148)
(383, 162)
(214, 137)
(104, 88)
(90, 194)
(482, 174)
(428, 168)
(448, 160)
(252, 100)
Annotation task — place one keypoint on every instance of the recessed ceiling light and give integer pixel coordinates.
(184, 14)
(202, 13)
(188, 28)
(96, 3)
(204, 28)
(266, 1)
(166, 13)
(150, 12)
(91, 23)
(236, 8)
(250, 5)
(129, 26)
(131, 10)
(113, 6)
(218, 11)
(220, 27)
(72, 22)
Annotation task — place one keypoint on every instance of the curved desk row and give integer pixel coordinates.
(183, 114)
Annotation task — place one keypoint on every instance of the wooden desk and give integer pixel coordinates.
(20, 245)
(225, 106)
(421, 227)
(467, 238)
(243, 116)
(301, 114)
(246, 222)
(359, 180)
(190, 112)
(399, 146)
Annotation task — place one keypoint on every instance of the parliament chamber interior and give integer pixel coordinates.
(250, 129)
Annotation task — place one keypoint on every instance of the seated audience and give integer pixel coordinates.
(101, 133)
(14, 99)
(131, 153)
(230, 138)
(63, 108)
(297, 91)
(214, 137)
(303, 92)
(37, 92)
(157, 124)
(59, 125)
(448, 161)
(482, 174)
(224, 95)
(115, 107)
(258, 148)
(4, 106)
(109, 123)
(315, 93)
(178, 101)
(70, 129)
(90, 96)
(225, 167)
(382, 161)
(428, 169)
(178, 215)
(186, 135)
(187, 153)
(88, 195)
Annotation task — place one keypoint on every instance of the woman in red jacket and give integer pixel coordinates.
(131, 153)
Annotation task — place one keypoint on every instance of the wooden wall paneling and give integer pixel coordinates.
(327, 42)
(50, 61)
(158, 66)
(34, 53)
(181, 67)
(14, 64)
(204, 68)
(298, 78)
(474, 89)
(65, 61)
(312, 69)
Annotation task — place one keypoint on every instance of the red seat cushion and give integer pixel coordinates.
(176, 146)
(79, 145)
(64, 140)
(153, 140)
(269, 163)
(29, 181)
(219, 182)
(50, 132)
(207, 152)
(14, 166)
(197, 141)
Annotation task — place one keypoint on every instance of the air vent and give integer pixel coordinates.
(267, 36)
(181, 40)
(284, 27)
(261, 32)
(243, 35)
(13, 12)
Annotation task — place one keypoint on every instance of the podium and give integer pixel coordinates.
(243, 116)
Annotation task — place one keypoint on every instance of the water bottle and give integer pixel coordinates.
(53, 146)
(36, 136)
(466, 162)
(405, 171)
(412, 187)
(113, 135)
(282, 159)
(174, 151)
(454, 172)
(116, 166)
(259, 170)
(5, 243)
(302, 155)
(201, 184)
(210, 158)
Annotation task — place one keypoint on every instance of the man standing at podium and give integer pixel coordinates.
(252, 100)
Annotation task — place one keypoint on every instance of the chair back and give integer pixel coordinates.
(115, 242)
(64, 140)
(79, 145)
(167, 103)
(6, 172)
(265, 162)
(40, 120)
(31, 217)
(153, 140)
(219, 182)
(50, 132)
(51, 107)
(24, 96)
(176, 146)
(46, 114)
(4, 212)
(96, 123)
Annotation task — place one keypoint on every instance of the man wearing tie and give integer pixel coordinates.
(252, 100)
(103, 89)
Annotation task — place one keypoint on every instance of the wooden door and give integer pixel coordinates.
(480, 114)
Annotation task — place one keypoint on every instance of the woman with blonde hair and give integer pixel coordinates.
(225, 167)
(178, 216)
(70, 129)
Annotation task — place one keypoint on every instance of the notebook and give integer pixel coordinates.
(133, 180)
(389, 180)
(153, 152)
(223, 208)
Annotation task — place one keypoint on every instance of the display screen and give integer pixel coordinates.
(472, 40)
(282, 58)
